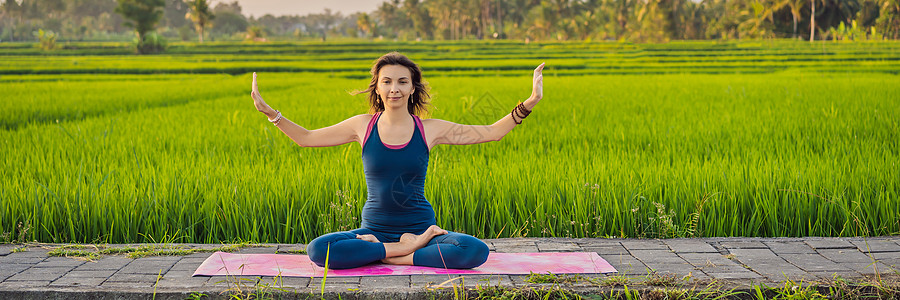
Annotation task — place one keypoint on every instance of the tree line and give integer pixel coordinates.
(634, 20)
(530, 20)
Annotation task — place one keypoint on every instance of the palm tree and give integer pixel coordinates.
(623, 10)
(889, 20)
(364, 22)
(653, 20)
(584, 24)
(11, 10)
(838, 11)
(392, 17)
(541, 26)
(753, 20)
(812, 21)
(794, 6)
(200, 14)
(422, 21)
(440, 11)
(325, 21)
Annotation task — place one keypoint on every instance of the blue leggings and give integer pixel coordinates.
(458, 250)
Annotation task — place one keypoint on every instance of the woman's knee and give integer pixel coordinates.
(318, 248)
(475, 253)
(312, 249)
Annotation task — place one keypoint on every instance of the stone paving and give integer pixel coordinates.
(32, 274)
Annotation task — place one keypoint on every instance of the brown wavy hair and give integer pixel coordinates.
(418, 101)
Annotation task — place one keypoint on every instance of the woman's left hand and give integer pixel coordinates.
(537, 90)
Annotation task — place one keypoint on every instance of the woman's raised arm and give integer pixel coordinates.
(337, 134)
(458, 134)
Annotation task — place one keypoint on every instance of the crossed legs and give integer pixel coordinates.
(433, 248)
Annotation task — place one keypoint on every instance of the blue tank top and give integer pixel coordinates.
(395, 179)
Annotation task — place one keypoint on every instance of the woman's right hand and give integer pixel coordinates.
(258, 101)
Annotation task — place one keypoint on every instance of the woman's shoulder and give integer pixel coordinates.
(436, 125)
(360, 124)
(362, 117)
(362, 120)
(356, 121)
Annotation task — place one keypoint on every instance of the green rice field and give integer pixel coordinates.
(685, 139)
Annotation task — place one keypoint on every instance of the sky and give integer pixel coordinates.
(259, 8)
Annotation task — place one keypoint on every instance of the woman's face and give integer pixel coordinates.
(395, 86)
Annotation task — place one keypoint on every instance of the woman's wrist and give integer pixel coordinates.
(531, 102)
(270, 113)
(277, 118)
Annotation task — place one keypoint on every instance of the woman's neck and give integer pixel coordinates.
(395, 116)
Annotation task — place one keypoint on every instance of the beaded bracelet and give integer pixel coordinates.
(277, 118)
(523, 110)
(519, 111)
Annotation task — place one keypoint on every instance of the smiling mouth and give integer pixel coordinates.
(393, 98)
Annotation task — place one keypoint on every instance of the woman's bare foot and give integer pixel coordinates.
(368, 238)
(416, 242)
(409, 242)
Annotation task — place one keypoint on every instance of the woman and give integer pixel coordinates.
(398, 224)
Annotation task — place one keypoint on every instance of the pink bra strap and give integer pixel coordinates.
(421, 129)
(369, 129)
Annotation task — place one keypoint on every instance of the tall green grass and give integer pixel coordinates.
(793, 153)
(48, 99)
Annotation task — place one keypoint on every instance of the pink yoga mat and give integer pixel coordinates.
(290, 265)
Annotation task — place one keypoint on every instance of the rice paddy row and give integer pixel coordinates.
(466, 58)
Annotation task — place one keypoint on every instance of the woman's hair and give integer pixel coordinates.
(418, 100)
